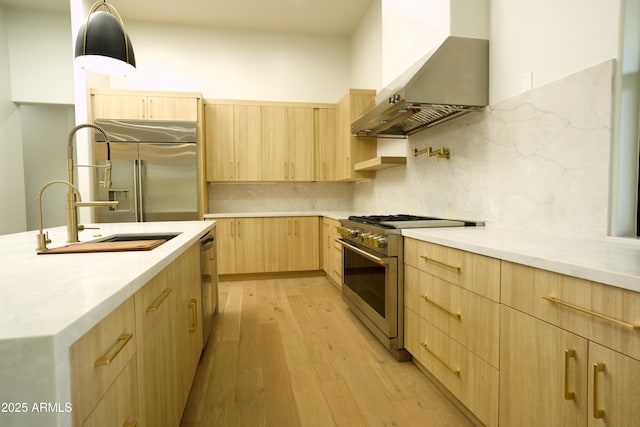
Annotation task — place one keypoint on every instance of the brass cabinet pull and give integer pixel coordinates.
(443, 264)
(123, 339)
(130, 424)
(446, 310)
(568, 354)
(158, 302)
(193, 305)
(597, 368)
(452, 370)
(592, 313)
(231, 163)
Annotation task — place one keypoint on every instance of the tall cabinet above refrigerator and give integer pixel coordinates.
(154, 170)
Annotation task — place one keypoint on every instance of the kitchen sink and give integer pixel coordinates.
(128, 237)
(115, 243)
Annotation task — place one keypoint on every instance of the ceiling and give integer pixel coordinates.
(329, 17)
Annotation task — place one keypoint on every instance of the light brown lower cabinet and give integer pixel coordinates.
(568, 351)
(452, 322)
(240, 245)
(470, 379)
(539, 363)
(169, 339)
(136, 366)
(267, 245)
(305, 243)
(291, 244)
(119, 406)
(103, 371)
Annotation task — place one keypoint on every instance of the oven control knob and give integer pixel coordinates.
(347, 232)
(368, 239)
(381, 242)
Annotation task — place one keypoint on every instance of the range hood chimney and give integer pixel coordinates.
(450, 81)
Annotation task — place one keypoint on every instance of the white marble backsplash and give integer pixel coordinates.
(280, 197)
(537, 162)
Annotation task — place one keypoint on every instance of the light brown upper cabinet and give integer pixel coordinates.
(349, 149)
(247, 141)
(301, 144)
(287, 144)
(275, 155)
(268, 141)
(325, 144)
(143, 106)
(233, 136)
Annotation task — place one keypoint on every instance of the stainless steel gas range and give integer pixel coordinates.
(373, 272)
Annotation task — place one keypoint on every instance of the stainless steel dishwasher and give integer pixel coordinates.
(208, 282)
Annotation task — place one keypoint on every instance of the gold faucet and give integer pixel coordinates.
(72, 203)
(440, 153)
(43, 238)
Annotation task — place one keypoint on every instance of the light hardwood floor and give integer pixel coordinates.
(288, 352)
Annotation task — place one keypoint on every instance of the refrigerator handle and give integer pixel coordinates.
(140, 193)
(135, 188)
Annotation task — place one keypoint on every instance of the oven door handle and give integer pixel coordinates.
(365, 254)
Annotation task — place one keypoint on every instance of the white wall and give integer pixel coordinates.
(45, 154)
(366, 50)
(550, 38)
(41, 53)
(12, 208)
(236, 64)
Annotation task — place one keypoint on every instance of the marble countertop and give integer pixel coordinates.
(64, 295)
(329, 214)
(610, 261)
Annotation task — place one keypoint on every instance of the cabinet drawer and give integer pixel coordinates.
(119, 407)
(598, 312)
(477, 273)
(472, 380)
(98, 357)
(468, 318)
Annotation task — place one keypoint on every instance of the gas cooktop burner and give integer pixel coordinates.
(409, 221)
(377, 219)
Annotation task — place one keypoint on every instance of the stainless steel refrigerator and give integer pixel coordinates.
(154, 170)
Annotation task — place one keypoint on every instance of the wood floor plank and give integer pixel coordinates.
(288, 352)
(280, 404)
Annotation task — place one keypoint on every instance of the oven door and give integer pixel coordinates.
(370, 283)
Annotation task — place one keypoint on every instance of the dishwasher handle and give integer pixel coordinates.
(206, 242)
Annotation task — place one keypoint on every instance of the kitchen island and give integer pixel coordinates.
(47, 302)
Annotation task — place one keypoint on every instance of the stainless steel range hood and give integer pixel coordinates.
(450, 81)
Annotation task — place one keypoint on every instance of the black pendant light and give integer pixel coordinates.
(102, 44)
